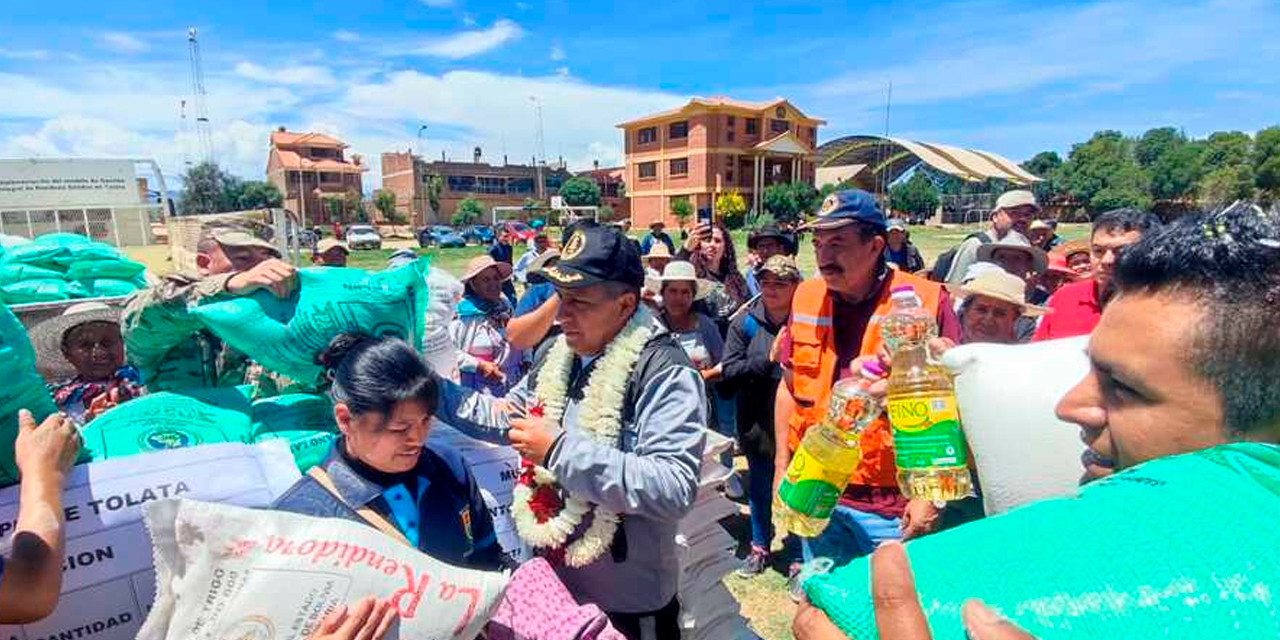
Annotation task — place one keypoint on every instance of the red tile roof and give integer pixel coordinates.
(289, 138)
(291, 160)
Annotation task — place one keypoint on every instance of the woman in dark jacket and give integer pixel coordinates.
(381, 471)
(749, 371)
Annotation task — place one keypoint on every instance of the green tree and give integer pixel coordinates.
(731, 207)
(606, 213)
(1103, 172)
(1043, 164)
(1175, 172)
(1225, 185)
(1266, 162)
(435, 186)
(682, 209)
(203, 190)
(580, 192)
(1226, 149)
(469, 211)
(353, 206)
(915, 196)
(253, 194)
(788, 202)
(333, 207)
(384, 200)
(1155, 144)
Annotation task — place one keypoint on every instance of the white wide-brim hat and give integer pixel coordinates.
(46, 337)
(679, 271)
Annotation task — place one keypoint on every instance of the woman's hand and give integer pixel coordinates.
(695, 239)
(532, 437)
(367, 620)
(47, 451)
(920, 518)
(490, 371)
(711, 374)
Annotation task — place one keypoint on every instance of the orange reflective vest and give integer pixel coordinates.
(813, 368)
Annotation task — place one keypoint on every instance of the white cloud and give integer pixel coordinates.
(24, 54)
(469, 20)
(579, 118)
(302, 75)
(562, 71)
(124, 43)
(557, 52)
(523, 6)
(343, 35)
(471, 43)
(437, 4)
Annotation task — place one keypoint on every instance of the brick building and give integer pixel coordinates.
(613, 188)
(312, 164)
(506, 185)
(714, 145)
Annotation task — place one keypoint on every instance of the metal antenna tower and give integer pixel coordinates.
(199, 97)
(541, 144)
(185, 133)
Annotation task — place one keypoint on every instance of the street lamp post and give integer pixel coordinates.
(422, 186)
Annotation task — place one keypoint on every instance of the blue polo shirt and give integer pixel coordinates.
(534, 297)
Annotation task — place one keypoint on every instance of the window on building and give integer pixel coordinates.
(647, 135)
(648, 170)
(610, 190)
(330, 177)
(485, 184)
(780, 112)
(677, 130)
(728, 176)
(752, 125)
(729, 135)
(462, 184)
(779, 126)
(520, 185)
(553, 182)
(679, 167)
(732, 120)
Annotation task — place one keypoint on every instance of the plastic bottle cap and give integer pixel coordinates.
(901, 288)
(873, 369)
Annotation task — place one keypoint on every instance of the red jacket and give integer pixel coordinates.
(1076, 311)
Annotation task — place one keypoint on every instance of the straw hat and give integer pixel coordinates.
(1015, 242)
(1016, 198)
(480, 263)
(679, 271)
(1000, 285)
(1058, 265)
(657, 250)
(543, 258)
(46, 337)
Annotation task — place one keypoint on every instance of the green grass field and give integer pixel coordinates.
(763, 599)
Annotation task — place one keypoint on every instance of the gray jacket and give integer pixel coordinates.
(651, 478)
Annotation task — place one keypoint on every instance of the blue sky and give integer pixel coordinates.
(105, 79)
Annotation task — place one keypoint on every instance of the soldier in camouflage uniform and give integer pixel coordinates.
(167, 343)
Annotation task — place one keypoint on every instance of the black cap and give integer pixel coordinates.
(594, 255)
(772, 231)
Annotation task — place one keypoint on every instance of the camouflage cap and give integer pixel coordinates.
(235, 237)
(781, 266)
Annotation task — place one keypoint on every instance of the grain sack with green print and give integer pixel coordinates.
(284, 336)
(304, 420)
(170, 421)
(1179, 548)
(23, 389)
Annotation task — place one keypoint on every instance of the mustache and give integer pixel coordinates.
(831, 267)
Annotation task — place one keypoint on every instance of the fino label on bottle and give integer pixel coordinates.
(926, 432)
(808, 487)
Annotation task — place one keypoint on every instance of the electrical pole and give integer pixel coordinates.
(540, 146)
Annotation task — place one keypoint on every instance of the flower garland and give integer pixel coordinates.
(541, 518)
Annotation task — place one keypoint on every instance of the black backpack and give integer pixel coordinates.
(943, 265)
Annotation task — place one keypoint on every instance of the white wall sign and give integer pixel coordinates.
(108, 579)
(50, 184)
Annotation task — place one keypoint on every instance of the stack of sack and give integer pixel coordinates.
(707, 610)
(62, 266)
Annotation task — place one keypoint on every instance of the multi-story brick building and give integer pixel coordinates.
(506, 185)
(309, 168)
(713, 145)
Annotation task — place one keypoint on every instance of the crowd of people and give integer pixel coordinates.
(605, 370)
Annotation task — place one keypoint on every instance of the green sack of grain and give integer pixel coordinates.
(18, 272)
(88, 252)
(170, 421)
(110, 287)
(38, 290)
(1178, 548)
(23, 388)
(101, 269)
(38, 255)
(284, 336)
(304, 420)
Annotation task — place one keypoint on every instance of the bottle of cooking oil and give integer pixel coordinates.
(825, 460)
(929, 446)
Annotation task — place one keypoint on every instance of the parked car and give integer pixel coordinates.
(518, 230)
(441, 236)
(363, 236)
(478, 233)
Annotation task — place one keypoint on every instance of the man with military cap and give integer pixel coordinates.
(835, 321)
(612, 420)
(166, 342)
(764, 243)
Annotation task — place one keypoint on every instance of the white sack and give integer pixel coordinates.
(226, 572)
(1007, 396)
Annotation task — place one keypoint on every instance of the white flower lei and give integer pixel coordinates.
(600, 418)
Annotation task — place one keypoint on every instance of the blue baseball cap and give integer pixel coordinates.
(847, 207)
